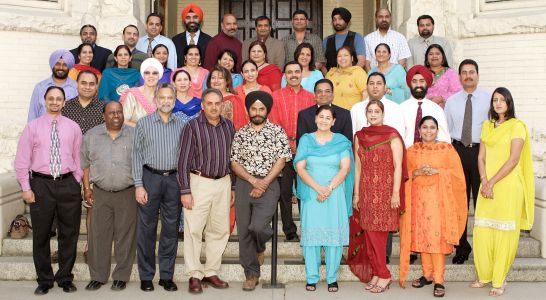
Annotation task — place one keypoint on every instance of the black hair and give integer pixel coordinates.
(108, 102)
(324, 80)
(511, 110)
(227, 77)
(378, 103)
(87, 72)
(248, 61)
(328, 108)
(116, 54)
(300, 12)
(155, 15)
(259, 43)
(54, 87)
(352, 52)
(425, 17)
(80, 48)
(297, 53)
(292, 62)
(426, 118)
(376, 74)
(178, 71)
(231, 54)
(444, 60)
(468, 62)
(161, 46)
(130, 25)
(88, 26)
(382, 44)
(261, 18)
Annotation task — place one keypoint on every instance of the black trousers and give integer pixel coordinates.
(164, 199)
(287, 182)
(63, 199)
(469, 160)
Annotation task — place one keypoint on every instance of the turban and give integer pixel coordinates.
(65, 55)
(261, 96)
(343, 12)
(151, 62)
(195, 9)
(419, 69)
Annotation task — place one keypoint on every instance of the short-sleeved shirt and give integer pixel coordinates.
(257, 151)
(110, 160)
(291, 43)
(396, 41)
(360, 48)
(86, 117)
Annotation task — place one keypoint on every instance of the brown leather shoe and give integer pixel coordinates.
(250, 283)
(216, 282)
(195, 286)
(261, 257)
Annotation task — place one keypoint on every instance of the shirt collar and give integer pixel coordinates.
(203, 119)
(121, 133)
(196, 37)
(157, 118)
(291, 90)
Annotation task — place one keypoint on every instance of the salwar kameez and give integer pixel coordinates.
(498, 221)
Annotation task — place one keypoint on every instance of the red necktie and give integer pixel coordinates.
(416, 134)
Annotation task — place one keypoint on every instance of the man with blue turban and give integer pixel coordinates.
(60, 62)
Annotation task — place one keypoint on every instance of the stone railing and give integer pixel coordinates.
(539, 227)
(11, 203)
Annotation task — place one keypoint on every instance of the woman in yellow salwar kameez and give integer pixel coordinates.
(436, 209)
(506, 200)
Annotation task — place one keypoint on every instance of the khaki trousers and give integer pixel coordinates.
(210, 213)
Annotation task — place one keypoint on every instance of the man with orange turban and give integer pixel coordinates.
(192, 18)
(419, 78)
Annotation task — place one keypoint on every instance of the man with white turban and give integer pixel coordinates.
(60, 62)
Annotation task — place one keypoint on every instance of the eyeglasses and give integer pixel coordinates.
(155, 73)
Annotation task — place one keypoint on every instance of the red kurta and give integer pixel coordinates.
(235, 110)
(270, 76)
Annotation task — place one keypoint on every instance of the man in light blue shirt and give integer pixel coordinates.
(465, 113)
(343, 37)
(154, 25)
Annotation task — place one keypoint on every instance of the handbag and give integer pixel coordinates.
(19, 227)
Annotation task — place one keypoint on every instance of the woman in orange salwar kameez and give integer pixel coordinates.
(436, 209)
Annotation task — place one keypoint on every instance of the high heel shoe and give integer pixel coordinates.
(380, 289)
(371, 284)
(495, 292)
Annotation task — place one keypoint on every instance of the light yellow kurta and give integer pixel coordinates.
(349, 84)
(498, 221)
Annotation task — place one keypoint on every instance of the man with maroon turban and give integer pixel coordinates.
(419, 78)
(192, 18)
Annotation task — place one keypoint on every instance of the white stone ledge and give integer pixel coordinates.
(11, 203)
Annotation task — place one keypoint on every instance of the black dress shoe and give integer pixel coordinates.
(42, 289)
(168, 285)
(118, 285)
(460, 258)
(292, 238)
(93, 285)
(68, 287)
(388, 260)
(146, 285)
(412, 258)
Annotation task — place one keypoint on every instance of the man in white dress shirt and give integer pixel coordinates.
(400, 51)
(154, 25)
(419, 78)
(376, 91)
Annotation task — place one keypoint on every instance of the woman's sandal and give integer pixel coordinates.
(311, 287)
(380, 289)
(478, 285)
(371, 284)
(421, 282)
(439, 290)
(333, 287)
(495, 292)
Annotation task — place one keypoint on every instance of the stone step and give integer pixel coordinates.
(523, 269)
(528, 248)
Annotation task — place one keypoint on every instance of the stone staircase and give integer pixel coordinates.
(16, 260)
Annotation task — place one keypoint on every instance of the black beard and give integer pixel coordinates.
(64, 76)
(257, 120)
(192, 27)
(419, 92)
(338, 28)
(426, 34)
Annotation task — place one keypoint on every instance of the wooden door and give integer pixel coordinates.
(279, 11)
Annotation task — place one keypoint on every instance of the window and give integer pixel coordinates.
(47, 4)
(510, 5)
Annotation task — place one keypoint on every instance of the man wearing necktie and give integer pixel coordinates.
(47, 166)
(192, 18)
(465, 113)
(153, 37)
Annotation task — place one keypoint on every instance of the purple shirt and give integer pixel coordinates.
(37, 102)
(205, 148)
(34, 149)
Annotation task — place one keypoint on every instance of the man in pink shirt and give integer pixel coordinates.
(287, 103)
(47, 165)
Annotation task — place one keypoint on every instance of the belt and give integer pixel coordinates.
(160, 172)
(472, 145)
(199, 173)
(47, 176)
(111, 191)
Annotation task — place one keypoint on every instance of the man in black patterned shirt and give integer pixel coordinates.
(258, 154)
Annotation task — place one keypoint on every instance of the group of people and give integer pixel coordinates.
(185, 131)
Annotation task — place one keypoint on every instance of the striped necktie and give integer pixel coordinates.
(149, 50)
(55, 155)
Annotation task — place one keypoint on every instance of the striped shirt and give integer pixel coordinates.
(205, 148)
(156, 144)
(396, 41)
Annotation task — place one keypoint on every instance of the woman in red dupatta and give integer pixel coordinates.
(268, 74)
(85, 54)
(378, 198)
(234, 106)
